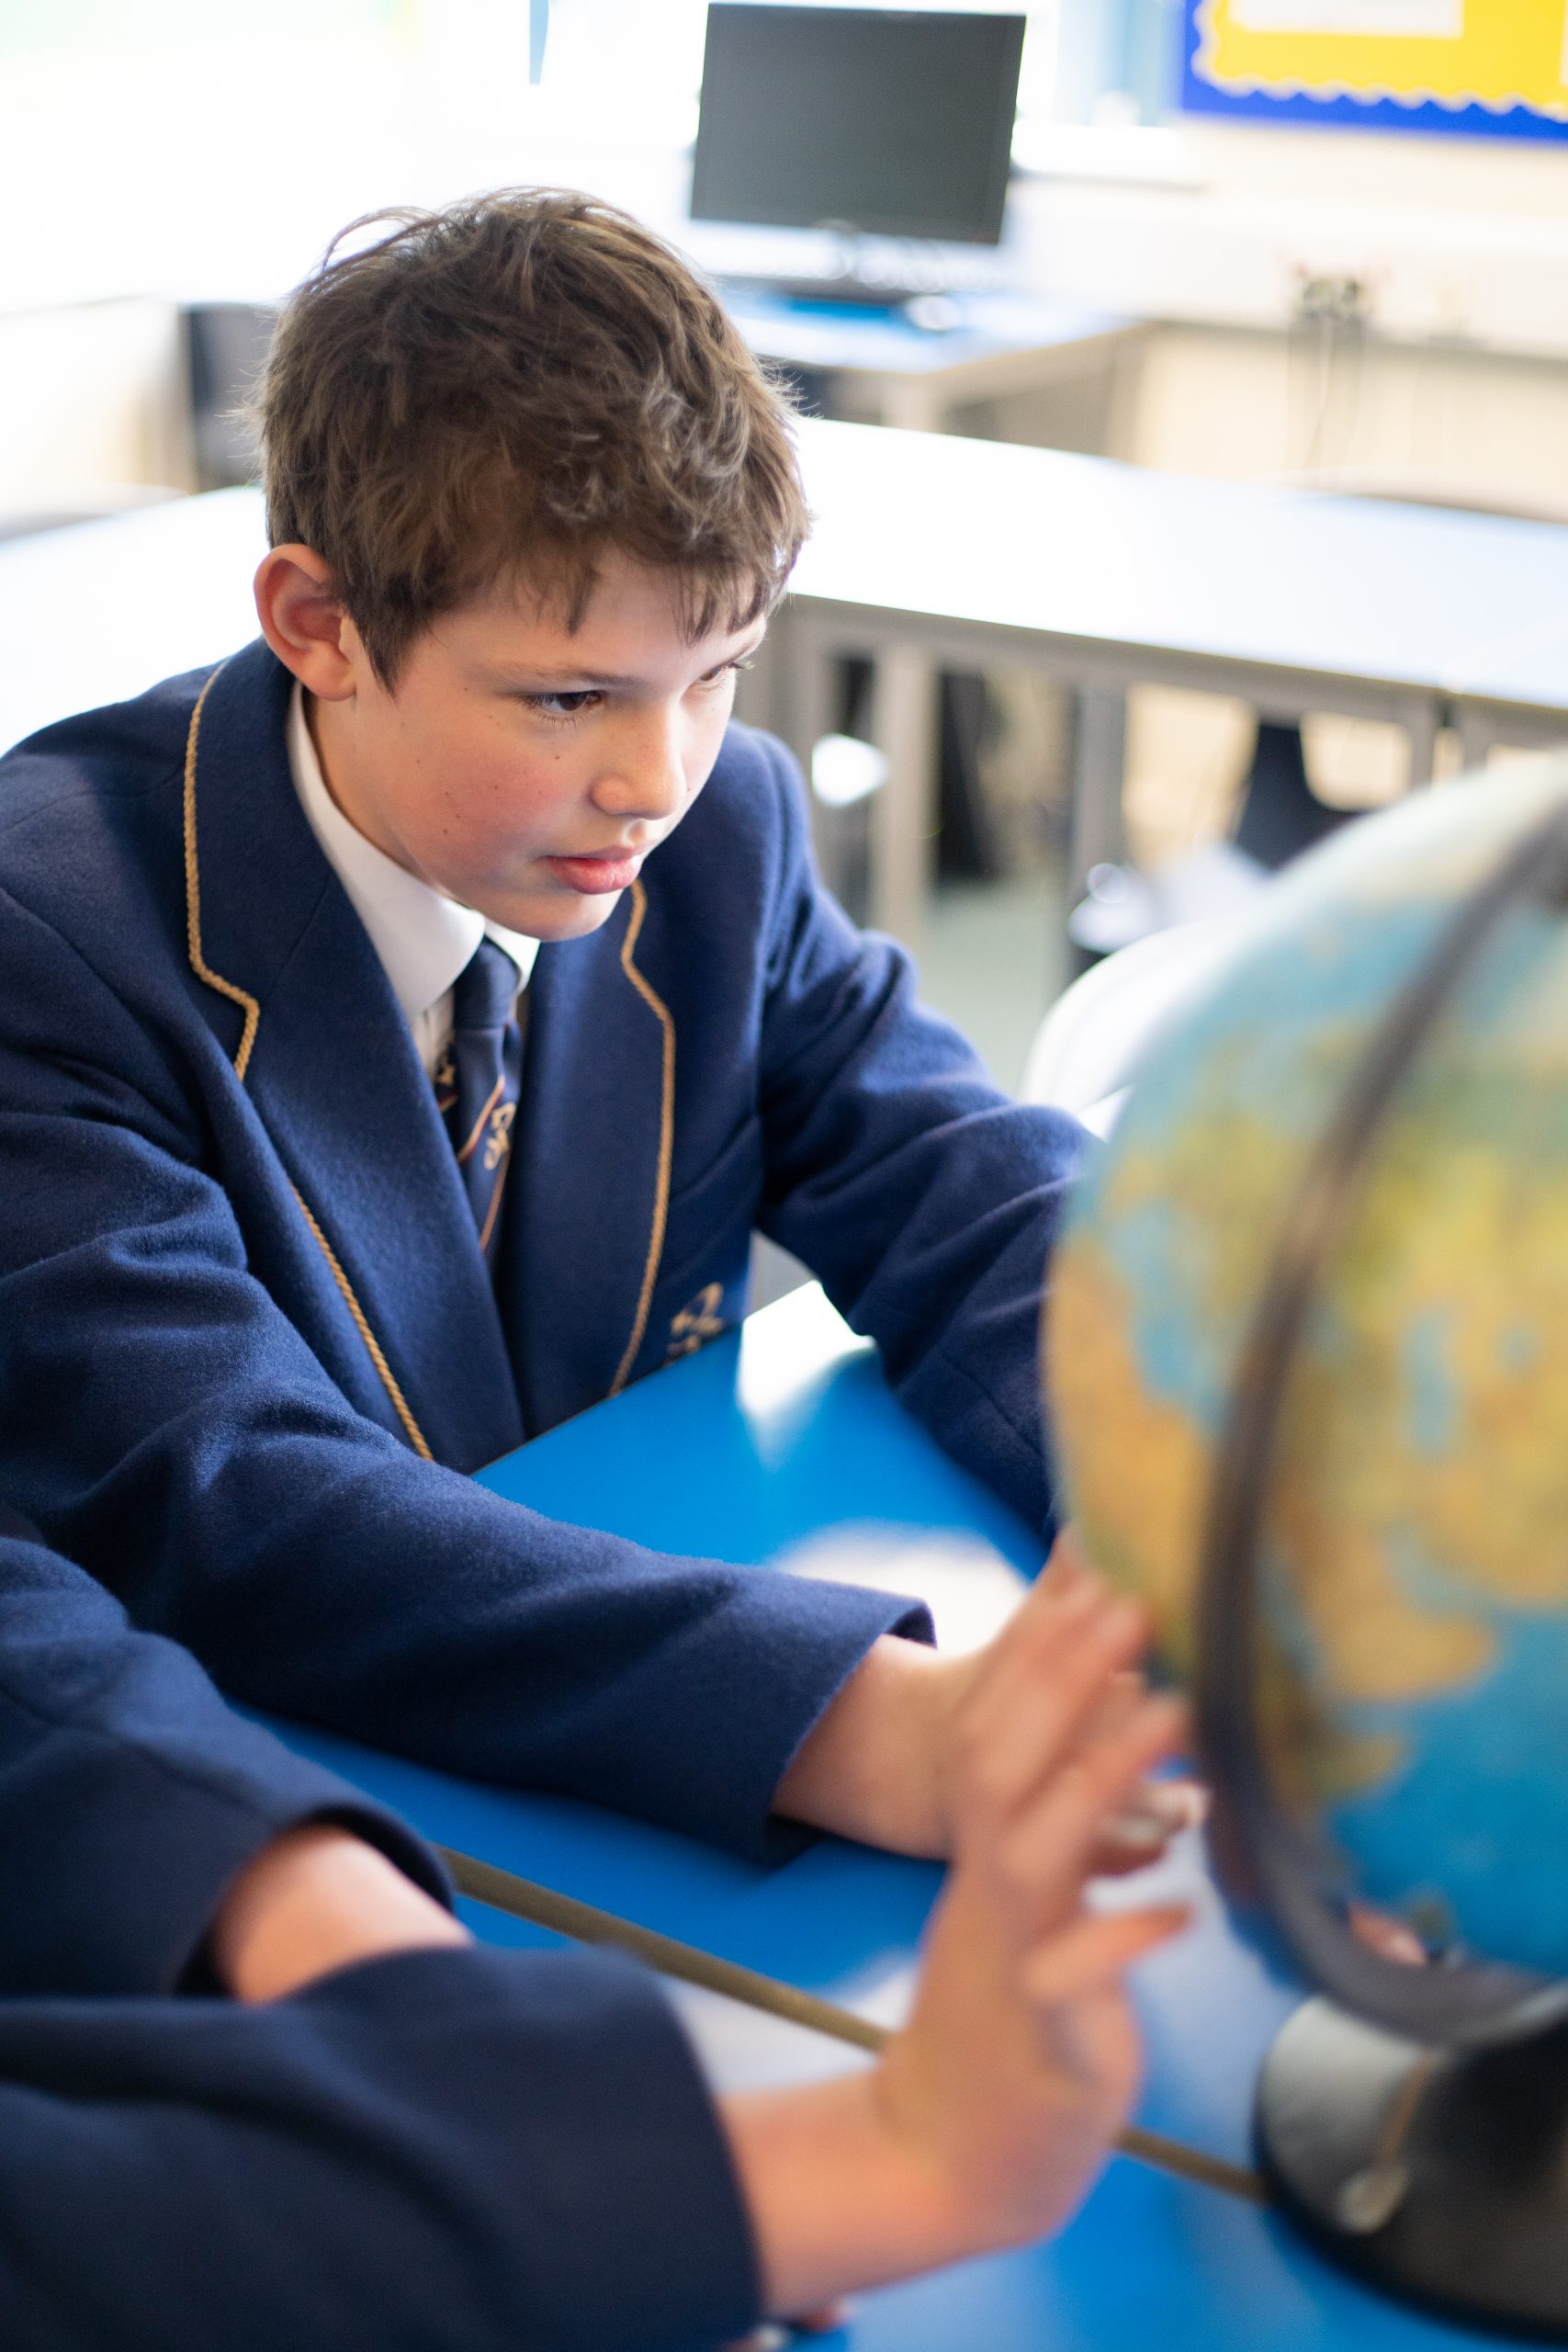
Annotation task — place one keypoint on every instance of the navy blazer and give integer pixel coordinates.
(130, 1795)
(463, 2148)
(246, 1338)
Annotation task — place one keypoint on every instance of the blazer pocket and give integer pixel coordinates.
(737, 1167)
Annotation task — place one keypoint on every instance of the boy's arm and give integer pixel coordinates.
(132, 1801)
(987, 2119)
(983, 2125)
(166, 1427)
(470, 2147)
(924, 1198)
(400, 2133)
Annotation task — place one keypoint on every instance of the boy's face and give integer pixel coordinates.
(524, 767)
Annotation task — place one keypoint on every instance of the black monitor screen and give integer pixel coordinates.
(892, 120)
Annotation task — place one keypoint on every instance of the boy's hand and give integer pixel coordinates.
(988, 2116)
(1022, 2058)
(879, 1765)
(315, 1899)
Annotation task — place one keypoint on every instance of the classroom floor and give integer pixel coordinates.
(993, 959)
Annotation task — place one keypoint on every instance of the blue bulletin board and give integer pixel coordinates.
(1494, 69)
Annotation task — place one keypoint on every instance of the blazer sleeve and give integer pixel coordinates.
(129, 1794)
(164, 1425)
(924, 1198)
(465, 2148)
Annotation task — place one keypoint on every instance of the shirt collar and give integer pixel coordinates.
(422, 937)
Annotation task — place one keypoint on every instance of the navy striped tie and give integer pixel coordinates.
(477, 1081)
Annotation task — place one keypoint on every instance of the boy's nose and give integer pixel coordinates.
(647, 774)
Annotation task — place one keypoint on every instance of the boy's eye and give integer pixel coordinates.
(563, 705)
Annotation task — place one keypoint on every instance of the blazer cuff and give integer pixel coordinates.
(130, 1911)
(798, 1644)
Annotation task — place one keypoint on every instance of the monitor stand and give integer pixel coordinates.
(865, 273)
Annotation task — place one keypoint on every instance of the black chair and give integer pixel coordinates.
(226, 349)
(1280, 813)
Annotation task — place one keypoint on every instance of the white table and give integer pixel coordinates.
(96, 612)
(1106, 576)
(1514, 689)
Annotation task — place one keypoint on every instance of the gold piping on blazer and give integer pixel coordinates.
(362, 1325)
(655, 1004)
(199, 963)
(205, 972)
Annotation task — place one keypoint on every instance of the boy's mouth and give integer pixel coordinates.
(594, 876)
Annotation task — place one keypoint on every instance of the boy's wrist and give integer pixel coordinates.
(315, 1899)
(875, 1766)
(841, 2198)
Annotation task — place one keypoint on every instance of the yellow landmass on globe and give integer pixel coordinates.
(1466, 1242)
(1138, 1468)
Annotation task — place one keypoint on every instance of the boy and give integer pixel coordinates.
(403, 1027)
(457, 2146)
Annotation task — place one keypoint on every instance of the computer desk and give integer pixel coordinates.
(781, 1445)
(881, 365)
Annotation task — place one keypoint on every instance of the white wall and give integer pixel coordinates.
(1461, 239)
(91, 396)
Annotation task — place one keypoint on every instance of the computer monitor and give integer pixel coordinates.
(891, 121)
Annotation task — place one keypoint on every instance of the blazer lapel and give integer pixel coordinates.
(591, 1175)
(337, 1084)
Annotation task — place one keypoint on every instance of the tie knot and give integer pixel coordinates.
(484, 994)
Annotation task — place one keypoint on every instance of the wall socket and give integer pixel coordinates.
(1327, 300)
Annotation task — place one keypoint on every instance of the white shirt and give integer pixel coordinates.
(422, 937)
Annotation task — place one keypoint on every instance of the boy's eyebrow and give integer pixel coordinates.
(534, 674)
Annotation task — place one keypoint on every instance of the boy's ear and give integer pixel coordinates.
(305, 625)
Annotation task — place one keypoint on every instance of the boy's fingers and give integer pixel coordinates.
(1048, 1853)
(1094, 1950)
(1067, 1565)
(1139, 1832)
(1123, 1692)
(1034, 1707)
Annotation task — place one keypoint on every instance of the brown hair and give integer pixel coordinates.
(511, 388)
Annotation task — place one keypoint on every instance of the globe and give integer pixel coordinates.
(1407, 1669)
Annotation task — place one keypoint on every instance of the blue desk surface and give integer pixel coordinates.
(752, 1450)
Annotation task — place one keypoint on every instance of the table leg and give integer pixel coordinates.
(1421, 726)
(1476, 734)
(1100, 764)
(903, 814)
(802, 703)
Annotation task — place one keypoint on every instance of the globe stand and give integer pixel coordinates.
(1440, 2176)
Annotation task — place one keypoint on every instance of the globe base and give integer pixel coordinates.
(1440, 2176)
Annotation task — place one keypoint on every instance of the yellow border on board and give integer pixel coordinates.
(1511, 53)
